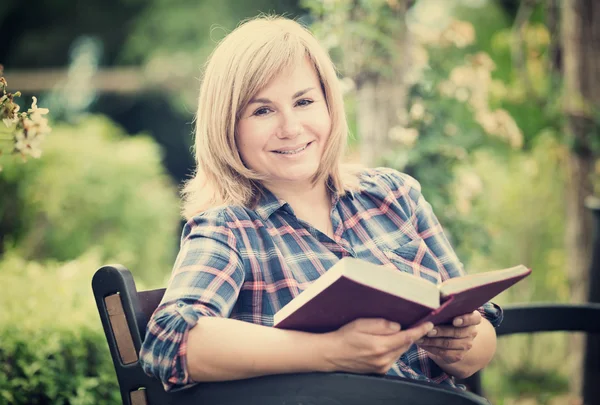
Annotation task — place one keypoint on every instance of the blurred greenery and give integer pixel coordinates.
(53, 348)
(483, 135)
(94, 186)
(486, 141)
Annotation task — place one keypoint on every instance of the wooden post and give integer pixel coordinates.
(591, 366)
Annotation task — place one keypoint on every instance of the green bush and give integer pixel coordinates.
(53, 349)
(519, 201)
(95, 196)
(93, 186)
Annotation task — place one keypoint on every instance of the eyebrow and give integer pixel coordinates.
(267, 101)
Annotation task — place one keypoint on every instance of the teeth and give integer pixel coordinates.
(292, 152)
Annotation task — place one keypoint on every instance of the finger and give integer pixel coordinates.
(448, 344)
(474, 318)
(419, 331)
(376, 326)
(448, 356)
(401, 341)
(452, 332)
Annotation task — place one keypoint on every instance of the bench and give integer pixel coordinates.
(125, 312)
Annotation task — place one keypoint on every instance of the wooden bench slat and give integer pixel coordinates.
(120, 329)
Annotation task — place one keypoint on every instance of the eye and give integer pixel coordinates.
(261, 111)
(304, 102)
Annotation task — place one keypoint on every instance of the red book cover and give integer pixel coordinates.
(469, 300)
(345, 300)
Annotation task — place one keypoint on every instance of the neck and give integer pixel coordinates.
(302, 199)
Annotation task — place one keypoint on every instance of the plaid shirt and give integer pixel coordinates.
(247, 264)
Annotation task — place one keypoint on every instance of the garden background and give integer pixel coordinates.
(492, 105)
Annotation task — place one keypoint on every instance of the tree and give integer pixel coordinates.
(368, 41)
(581, 70)
(581, 46)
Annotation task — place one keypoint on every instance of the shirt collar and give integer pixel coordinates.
(268, 203)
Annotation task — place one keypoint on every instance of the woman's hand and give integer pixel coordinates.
(370, 345)
(450, 344)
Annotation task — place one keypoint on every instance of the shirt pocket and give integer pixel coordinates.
(415, 258)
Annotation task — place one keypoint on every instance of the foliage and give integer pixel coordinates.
(532, 91)
(449, 111)
(487, 154)
(450, 115)
(362, 37)
(518, 200)
(173, 38)
(53, 348)
(171, 32)
(95, 187)
(27, 129)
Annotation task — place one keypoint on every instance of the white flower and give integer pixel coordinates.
(501, 124)
(483, 60)
(447, 88)
(471, 184)
(462, 94)
(417, 111)
(13, 118)
(31, 125)
(405, 136)
(27, 144)
(459, 33)
(20, 141)
(35, 153)
(462, 76)
(34, 108)
(487, 120)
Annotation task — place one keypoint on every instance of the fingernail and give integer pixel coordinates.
(394, 326)
(433, 332)
(429, 326)
(458, 322)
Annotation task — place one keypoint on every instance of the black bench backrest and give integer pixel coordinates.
(125, 313)
(551, 317)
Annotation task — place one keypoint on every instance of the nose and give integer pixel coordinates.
(290, 125)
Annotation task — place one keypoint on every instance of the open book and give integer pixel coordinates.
(355, 288)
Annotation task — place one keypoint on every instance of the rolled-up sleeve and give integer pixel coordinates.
(432, 233)
(206, 280)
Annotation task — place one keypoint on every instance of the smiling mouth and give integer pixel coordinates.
(292, 152)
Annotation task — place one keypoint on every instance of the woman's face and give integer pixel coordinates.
(283, 130)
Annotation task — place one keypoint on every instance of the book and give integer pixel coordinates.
(355, 288)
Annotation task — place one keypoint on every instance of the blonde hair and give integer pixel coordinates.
(242, 64)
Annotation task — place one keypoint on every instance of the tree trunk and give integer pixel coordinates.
(381, 98)
(581, 46)
(378, 102)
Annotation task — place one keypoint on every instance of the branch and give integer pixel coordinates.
(552, 12)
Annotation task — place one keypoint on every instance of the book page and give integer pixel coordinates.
(459, 284)
(393, 281)
(375, 277)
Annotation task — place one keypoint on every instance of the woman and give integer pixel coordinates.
(271, 208)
